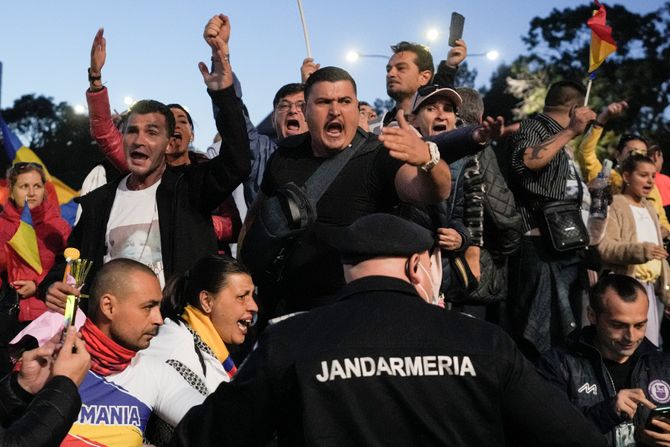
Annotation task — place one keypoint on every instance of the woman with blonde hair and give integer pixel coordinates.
(19, 304)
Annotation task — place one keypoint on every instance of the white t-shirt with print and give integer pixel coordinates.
(132, 229)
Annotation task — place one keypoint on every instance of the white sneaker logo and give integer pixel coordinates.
(588, 389)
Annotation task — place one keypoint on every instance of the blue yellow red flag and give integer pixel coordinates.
(17, 152)
(602, 43)
(24, 241)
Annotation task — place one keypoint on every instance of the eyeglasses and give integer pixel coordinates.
(285, 106)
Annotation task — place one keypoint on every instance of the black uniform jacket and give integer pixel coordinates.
(383, 367)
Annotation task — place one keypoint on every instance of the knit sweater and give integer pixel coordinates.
(620, 249)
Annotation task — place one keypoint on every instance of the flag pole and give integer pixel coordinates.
(304, 29)
(588, 92)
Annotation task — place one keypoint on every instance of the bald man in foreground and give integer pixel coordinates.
(123, 387)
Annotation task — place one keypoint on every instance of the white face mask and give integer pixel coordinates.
(435, 275)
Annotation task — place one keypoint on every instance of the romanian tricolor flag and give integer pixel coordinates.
(602, 43)
(17, 152)
(24, 241)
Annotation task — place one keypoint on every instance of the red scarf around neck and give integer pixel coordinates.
(107, 356)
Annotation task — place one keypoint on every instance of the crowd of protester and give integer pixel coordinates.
(451, 279)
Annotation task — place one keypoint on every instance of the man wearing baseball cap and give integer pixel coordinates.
(381, 366)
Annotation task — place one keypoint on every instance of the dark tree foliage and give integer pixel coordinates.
(638, 72)
(382, 106)
(59, 136)
(497, 102)
(465, 77)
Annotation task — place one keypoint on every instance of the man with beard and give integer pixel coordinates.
(410, 68)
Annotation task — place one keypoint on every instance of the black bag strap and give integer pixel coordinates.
(320, 180)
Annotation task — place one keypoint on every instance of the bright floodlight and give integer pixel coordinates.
(79, 109)
(492, 55)
(128, 100)
(432, 34)
(352, 56)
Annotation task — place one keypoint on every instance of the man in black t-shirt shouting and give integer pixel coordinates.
(398, 166)
(610, 371)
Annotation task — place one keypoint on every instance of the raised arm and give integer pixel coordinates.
(447, 69)
(261, 146)
(538, 157)
(232, 165)
(308, 67)
(103, 129)
(586, 152)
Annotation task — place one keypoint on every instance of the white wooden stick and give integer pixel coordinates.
(304, 29)
(588, 91)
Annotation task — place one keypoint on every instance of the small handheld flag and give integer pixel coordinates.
(602, 43)
(24, 241)
(18, 152)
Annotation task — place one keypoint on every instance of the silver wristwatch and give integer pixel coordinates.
(434, 157)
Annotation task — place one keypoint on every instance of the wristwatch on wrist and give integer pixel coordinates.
(434, 157)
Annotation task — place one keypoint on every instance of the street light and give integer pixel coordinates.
(79, 109)
(432, 34)
(353, 56)
(128, 101)
(490, 55)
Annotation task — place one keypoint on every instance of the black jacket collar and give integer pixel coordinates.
(581, 340)
(377, 284)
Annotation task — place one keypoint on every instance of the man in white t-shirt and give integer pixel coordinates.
(160, 215)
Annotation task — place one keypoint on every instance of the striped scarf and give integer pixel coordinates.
(202, 325)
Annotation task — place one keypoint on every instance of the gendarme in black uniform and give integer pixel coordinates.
(383, 367)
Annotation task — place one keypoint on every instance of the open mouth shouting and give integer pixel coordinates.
(439, 127)
(138, 156)
(334, 129)
(244, 324)
(292, 126)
